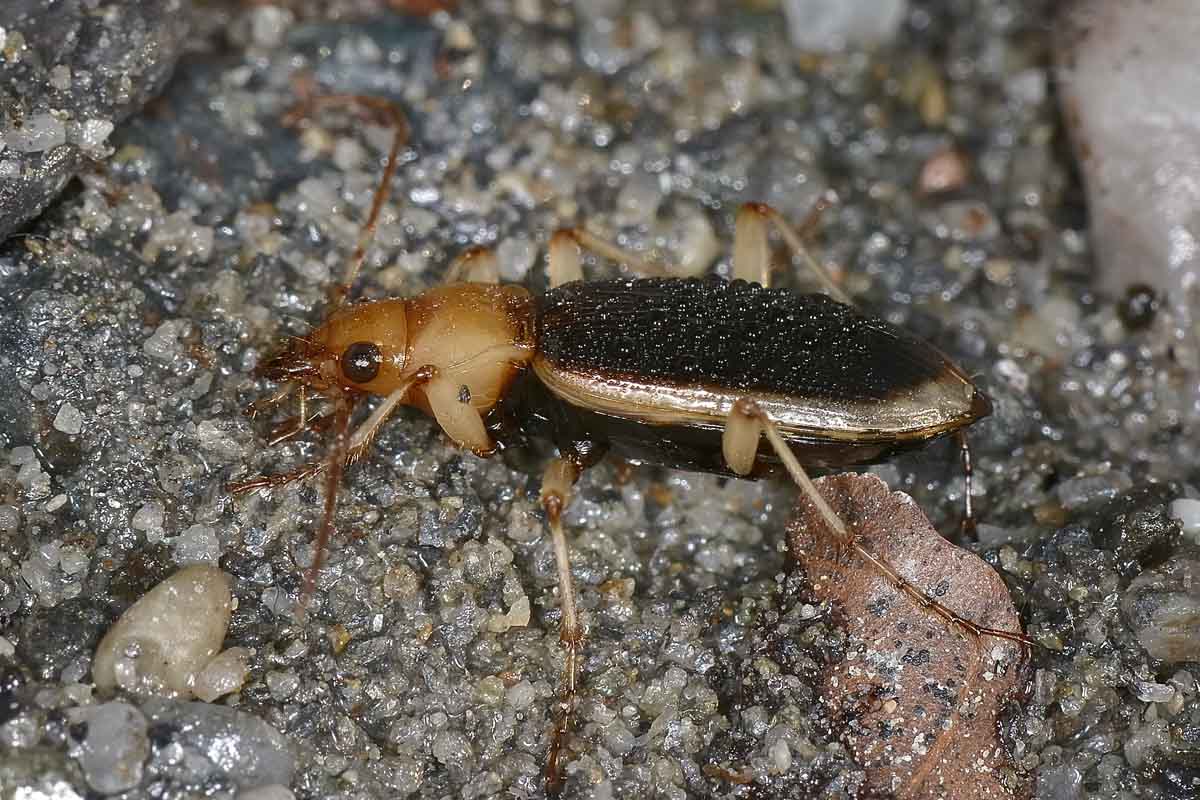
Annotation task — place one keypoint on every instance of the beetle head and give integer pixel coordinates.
(358, 349)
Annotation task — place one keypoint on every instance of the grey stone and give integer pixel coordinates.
(1163, 607)
(115, 747)
(224, 741)
(93, 69)
(1138, 526)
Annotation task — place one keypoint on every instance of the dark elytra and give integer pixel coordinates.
(730, 335)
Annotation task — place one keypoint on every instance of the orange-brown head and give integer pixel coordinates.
(476, 335)
(359, 349)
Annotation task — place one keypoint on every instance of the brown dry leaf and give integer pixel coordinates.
(916, 700)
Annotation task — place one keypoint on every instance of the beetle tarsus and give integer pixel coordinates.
(967, 529)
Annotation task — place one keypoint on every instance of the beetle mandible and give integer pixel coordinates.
(682, 373)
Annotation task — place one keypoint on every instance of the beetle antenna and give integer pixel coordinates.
(395, 117)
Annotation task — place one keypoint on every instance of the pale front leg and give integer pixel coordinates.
(967, 527)
(450, 403)
(557, 481)
(751, 255)
(566, 265)
(745, 424)
(359, 443)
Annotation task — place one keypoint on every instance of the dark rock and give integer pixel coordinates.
(1181, 783)
(1138, 528)
(12, 680)
(54, 637)
(92, 69)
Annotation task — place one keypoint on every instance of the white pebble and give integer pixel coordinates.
(68, 420)
(93, 133)
(833, 25)
(318, 197)
(282, 685)
(348, 154)
(167, 637)
(521, 695)
(39, 132)
(149, 517)
(10, 518)
(1187, 511)
(197, 545)
(22, 455)
(516, 257)
(1150, 692)
(781, 756)
(73, 561)
(223, 675)
(212, 437)
(60, 77)
(269, 24)
(36, 482)
(115, 748)
(163, 344)
(1140, 165)
(176, 233)
(517, 617)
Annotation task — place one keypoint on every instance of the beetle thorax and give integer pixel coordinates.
(480, 336)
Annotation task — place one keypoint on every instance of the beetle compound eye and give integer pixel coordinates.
(360, 361)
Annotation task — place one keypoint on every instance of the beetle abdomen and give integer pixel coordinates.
(673, 351)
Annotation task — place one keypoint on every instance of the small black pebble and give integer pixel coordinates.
(1138, 307)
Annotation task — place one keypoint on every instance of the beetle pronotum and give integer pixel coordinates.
(683, 373)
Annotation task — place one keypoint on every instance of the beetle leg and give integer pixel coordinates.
(252, 410)
(300, 423)
(751, 256)
(846, 539)
(452, 409)
(474, 265)
(294, 426)
(393, 114)
(566, 264)
(358, 444)
(739, 441)
(279, 479)
(966, 528)
(793, 238)
(559, 477)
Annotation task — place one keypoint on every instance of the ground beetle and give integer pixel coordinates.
(683, 373)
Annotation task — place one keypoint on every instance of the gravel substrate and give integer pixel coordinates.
(201, 231)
